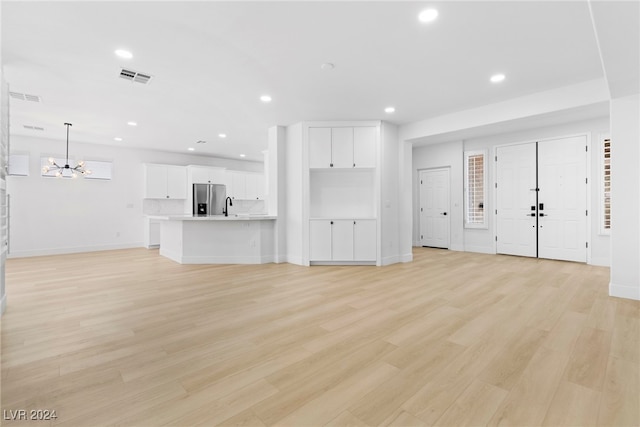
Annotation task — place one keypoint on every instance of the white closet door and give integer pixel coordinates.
(516, 200)
(562, 220)
(434, 208)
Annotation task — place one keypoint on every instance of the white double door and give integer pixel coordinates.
(541, 199)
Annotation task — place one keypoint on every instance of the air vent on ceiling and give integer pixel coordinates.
(33, 127)
(135, 76)
(201, 142)
(25, 97)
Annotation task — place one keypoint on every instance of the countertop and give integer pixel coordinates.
(233, 217)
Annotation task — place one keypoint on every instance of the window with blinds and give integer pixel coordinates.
(475, 184)
(606, 184)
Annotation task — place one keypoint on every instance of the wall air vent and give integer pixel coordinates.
(135, 76)
(33, 127)
(25, 97)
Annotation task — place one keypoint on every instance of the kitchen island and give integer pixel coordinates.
(237, 239)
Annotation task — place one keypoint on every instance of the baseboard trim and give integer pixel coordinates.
(622, 291)
(76, 250)
(3, 304)
(480, 250)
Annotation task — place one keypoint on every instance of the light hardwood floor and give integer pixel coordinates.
(131, 338)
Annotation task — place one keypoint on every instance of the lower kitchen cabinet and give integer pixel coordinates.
(342, 240)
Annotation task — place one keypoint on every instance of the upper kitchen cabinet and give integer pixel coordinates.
(245, 185)
(205, 175)
(165, 182)
(342, 147)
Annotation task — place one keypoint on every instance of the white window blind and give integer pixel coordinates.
(606, 184)
(475, 183)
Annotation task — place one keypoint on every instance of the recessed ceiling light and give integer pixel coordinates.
(327, 66)
(497, 78)
(265, 98)
(243, 155)
(117, 138)
(191, 149)
(389, 110)
(428, 15)
(222, 135)
(132, 123)
(124, 54)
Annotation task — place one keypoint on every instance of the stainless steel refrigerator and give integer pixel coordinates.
(208, 199)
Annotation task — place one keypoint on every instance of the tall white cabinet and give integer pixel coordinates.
(337, 182)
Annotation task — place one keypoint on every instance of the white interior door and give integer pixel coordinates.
(434, 208)
(516, 200)
(562, 199)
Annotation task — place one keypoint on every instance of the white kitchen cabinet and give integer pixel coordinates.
(320, 239)
(319, 147)
(245, 185)
(165, 182)
(342, 240)
(364, 144)
(342, 147)
(255, 186)
(364, 240)
(206, 175)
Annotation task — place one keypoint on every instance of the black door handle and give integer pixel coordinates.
(444, 213)
(541, 214)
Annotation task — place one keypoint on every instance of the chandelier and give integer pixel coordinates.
(65, 170)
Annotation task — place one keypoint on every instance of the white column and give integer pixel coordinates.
(625, 197)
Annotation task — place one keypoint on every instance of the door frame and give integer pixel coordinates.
(494, 196)
(434, 169)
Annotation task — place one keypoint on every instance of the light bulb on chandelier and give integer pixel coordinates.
(59, 171)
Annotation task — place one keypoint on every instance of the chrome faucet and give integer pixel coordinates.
(226, 208)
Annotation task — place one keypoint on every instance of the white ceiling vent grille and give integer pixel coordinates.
(135, 76)
(33, 127)
(25, 97)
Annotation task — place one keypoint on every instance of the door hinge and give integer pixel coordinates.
(496, 185)
(586, 180)
(586, 244)
(586, 148)
(496, 238)
(421, 237)
(496, 158)
(586, 212)
(496, 211)
(421, 210)
(420, 181)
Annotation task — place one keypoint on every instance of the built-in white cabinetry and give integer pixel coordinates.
(165, 181)
(342, 240)
(342, 147)
(343, 192)
(206, 175)
(245, 185)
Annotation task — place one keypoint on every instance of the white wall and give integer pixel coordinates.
(293, 189)
(625, 197)
(483, 240)
(388, 216)
(445, 155)
(52, 216)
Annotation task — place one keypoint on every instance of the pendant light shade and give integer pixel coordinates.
(66, 170)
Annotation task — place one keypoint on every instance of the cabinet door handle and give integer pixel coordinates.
(331, 222)
(354, 165)
(354, 223)
(167, 197)
(330, 165)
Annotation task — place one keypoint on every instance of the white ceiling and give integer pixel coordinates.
(211, 61)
